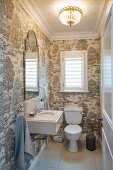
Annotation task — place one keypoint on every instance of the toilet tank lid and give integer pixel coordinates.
(73, 108)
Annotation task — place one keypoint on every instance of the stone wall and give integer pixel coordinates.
(89, 101)
(16, 24)
(2, 148)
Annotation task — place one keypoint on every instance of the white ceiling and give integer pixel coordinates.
(45, 13)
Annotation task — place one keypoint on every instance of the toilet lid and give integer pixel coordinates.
(73, 129)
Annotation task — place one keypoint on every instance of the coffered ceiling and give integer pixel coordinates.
(45, 13)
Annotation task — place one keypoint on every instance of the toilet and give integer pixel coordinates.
(73, 131)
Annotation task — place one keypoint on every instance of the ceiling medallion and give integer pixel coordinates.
(70, 15)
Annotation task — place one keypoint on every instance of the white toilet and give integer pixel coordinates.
(73, 131)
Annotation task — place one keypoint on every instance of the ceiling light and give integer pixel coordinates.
(70, 15)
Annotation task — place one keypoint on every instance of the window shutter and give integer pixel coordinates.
(107, 72)
(31, 74)
(73, 71)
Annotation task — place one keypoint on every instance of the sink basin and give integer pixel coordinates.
(46, 115)
(46, 122)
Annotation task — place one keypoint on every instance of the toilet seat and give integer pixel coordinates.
(73, 129)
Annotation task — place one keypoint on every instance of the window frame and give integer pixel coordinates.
(108, 117)
(63, 55)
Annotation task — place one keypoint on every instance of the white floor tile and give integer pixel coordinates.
(77, 161)
(98, 158)
(51, 156)
(44, 168)
(57, 157)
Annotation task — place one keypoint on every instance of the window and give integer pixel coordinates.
(107, 72)
(31, 72)
(73, 71)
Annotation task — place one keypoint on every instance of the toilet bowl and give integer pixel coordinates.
(73, 131)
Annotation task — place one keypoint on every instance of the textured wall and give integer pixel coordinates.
(2, 148)
(89, 101)
(17, 23)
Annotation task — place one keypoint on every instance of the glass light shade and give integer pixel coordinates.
(70, 15)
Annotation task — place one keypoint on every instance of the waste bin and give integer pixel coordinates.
(91, 142)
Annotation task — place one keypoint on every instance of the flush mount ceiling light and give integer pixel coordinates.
(70, 15)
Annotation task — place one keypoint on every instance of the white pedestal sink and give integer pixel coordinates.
(46, 122)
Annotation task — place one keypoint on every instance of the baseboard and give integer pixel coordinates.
(100, 142)
(36, 159)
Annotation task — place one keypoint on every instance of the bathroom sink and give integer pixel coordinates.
(47, 113)
(46, 122)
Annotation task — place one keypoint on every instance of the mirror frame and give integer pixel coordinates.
(24, 57)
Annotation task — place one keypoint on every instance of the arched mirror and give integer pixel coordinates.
(31, 65)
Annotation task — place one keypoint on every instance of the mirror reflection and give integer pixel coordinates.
(31, 62)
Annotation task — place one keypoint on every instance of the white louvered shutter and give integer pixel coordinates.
(31, 74)
(74, 71)
(107, 72)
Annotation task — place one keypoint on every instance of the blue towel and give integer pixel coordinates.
(23, 146)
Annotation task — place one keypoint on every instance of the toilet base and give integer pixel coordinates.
(73, 146)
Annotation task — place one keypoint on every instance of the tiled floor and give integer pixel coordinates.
(56, 157)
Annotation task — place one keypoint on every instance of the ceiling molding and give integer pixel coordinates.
(104, 16)
(35, 14)
(102, 5)
(77, 35)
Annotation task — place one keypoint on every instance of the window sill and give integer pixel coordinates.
(30, 90)
(73, 91)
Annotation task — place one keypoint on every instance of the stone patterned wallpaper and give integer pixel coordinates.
(2, 148)
(17, 23)
(89, 101)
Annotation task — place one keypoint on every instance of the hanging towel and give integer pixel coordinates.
(23, 146)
